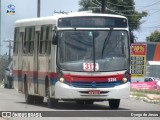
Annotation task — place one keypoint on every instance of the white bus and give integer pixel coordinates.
(83, 57)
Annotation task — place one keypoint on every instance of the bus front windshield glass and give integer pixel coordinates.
(93, 50)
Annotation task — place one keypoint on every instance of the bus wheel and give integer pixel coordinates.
(50, 101)
(38, 99)
(5, 85)
(89, 102)
(80, 102)
(29, 99)
(114, 103)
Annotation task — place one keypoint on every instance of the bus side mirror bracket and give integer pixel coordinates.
(55, 39)
(55, 36)
(131, 37)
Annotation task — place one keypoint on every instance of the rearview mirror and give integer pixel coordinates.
(131, 37)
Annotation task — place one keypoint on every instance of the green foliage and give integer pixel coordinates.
(154, 37)
(3, 65)
(120, 7)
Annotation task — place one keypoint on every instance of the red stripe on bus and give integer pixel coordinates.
(78, 78)
(69, 77)
(35, 74)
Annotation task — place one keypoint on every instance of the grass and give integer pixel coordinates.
(147, 91)
(143, 93)
(138, 94)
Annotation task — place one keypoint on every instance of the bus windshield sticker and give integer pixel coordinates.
(90, 66)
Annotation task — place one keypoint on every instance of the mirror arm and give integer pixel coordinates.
(55, 37)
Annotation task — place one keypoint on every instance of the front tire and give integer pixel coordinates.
(80, 102)
(89, 102)
(5, 85)
(38, 99)
(114, 103)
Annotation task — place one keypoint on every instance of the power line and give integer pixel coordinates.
(133, 6)
(155, 12)
(101, 5)
(115, 11)
(98, 2)
(121, 13)
(149, 5)
(10, 47)
(94, 3)
(119, 5)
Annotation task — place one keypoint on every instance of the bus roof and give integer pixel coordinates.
(53, 19)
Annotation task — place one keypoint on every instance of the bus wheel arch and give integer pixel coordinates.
(51, 102)
(46, 85)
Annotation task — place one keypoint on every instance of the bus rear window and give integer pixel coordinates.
(92, 22)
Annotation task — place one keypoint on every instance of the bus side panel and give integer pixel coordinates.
(28, 72)
(20, 58)
(53, 67)
(15, 72)
(42, 74)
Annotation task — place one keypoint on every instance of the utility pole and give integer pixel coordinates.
(10, 47)
(103, 8)
(38, 8)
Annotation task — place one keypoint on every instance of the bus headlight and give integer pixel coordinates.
(126, 77)
(61, 79)
(124, 80)
(60, 76)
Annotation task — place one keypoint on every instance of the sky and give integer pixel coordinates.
(28, 9)
(151, 22)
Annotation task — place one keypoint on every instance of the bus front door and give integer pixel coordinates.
(36, 65)
(20, 61)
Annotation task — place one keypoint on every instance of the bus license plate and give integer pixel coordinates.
(93, 92)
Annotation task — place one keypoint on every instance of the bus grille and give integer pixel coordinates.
(94, 84)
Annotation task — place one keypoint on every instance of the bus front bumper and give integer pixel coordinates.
(64, 91)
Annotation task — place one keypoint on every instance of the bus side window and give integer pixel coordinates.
(42, 40)
(31, 40)
(25, 42)
(16, 41)
(48, 39)
(45, 39)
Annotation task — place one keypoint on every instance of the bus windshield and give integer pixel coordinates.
(93, 50)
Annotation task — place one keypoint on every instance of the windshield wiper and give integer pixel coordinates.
(106, 40)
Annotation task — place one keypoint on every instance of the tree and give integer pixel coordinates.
(120, 7)
(154, 37)
(3, 65)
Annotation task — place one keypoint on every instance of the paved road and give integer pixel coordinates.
(11, 100)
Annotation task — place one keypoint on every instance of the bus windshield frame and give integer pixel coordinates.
(74, 44)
